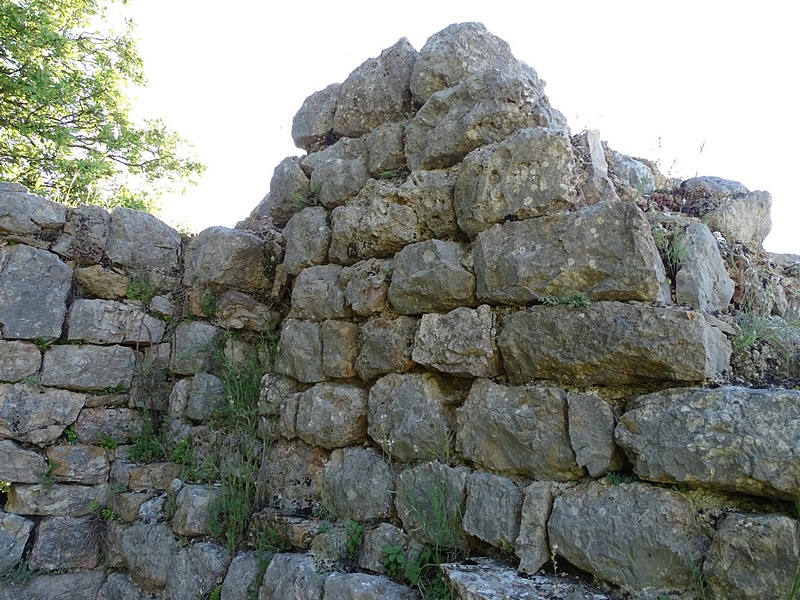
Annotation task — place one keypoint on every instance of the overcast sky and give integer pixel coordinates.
(702, 87)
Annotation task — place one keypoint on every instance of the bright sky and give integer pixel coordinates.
(703, 87)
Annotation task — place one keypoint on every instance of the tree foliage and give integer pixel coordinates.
(65, 127)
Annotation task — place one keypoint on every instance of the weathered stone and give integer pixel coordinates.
(140, 240)
(18, 360)
(126, 505)
(307, 237)
(593, 180)
(493, 509)
(517, 431)
(752, 447)
(195, 570)
(707, 187)
(66, 543)
(754, 556)
(149, 552)
(335, 179)
(206, 395)
(634, 535)
(385, 347)
(20, 465)
(119, 586)
(376, 92)
(194, 509)
(287, 417)
(237, 310)
(179, 398)
(372, 556)
(430, 502)
(313, 123)
(34, 286)
(300, 351)
(274, 390)
(78, 463)
(332, 415)
(85, 235)
(55, 499)
(409, 415)
(97, 425)
(153, 510)
(702, 281)
(242, 576)
(35, 414)
(366, 285)
(318, 294)
(430, 277)
(292, 576)
(88, 367)
(610, 343)
(591, 434)
(430, 195)
(605, 251)
(157, 476)
(531, 545)
(100, 282)
(291, 476)
(631, 176)
(359, 484)
(226, 257)
(745, 219)
(482, 109)
(80, 585)
(195, 348)
(364, 586)
(288, 183)
(385, 155)
(295, 532)
(22, 213)
(461, 343)
(14, 533)
(339, 349)
(110, 322)
(529, 174)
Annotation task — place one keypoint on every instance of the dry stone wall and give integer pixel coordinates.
(480, 336)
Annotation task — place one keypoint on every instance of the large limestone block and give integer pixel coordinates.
(307, 236)
(65, 543)
(119, 586)
(367, 285)
(313, 123)
(633, 535)
(754, 556)
(411, 416)
(56, 499)
(300, 351)
(376, 92)
(20, 465)
(22, 213)
(110, 322)
(700, 190)
(149, 551)
(318, 294)
(14, 533)
(288, 182)
(18, 360)
(461, 343)
(292, 576)
(529, 174)
(195, 570)
(726, 438)
(517, 431)
(36, 415)
(359, 485)
(80, 585)
(291, 476)
(365, 586)
(242, 576)
(332, 415)
(79, 463)
(605, 251)
(385, 347)
(85, 235)
(237, 310)
(100, 282)
(493, 509)
(531, 546)
(431, 276)
(702, 281)
(195, 348)
(430, 196)
(227, 257)
(745, 219)
(97, 425)
(610, 343)
(34, 286)
(591, 434)
(385, 155)
(88, 367)
(339, 349)
(141, 241)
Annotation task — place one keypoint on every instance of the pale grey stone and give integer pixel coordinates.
(332, 415)
(461, 343)
(14, 533)
(119, 586)
(300, 351)
(632, 175)
(385, 155)
(336, 180)
(22, 213)
(226, 257)
(78, 463)
(605, 251)
(318, 294)
(385, 347)
(307, 236)
(85, 235)
(287, 184)
(99, 282)
(274, 390)
(287, 417)
(529, 174)
(206, 395)
(372, 556)
(745, 219)
(753, 446)
(153, 510)
(80, 585)
(594, 182)
(409, 415)
(431, 499)
(610, 343)
(314, 121)
(431, 276)
(56, 499)
(110, 322)
(292, 576)
(708, 187)
(37, 415)
(591, 434)
(34, 286)
(291, 476)
(179, 398)
(121, 425)
(364, 586)
(376, 92)
(237, 310)
(196, 570)
(20, 465)
(531, 545)
(195, 348)
(633, 535)
(493, 509)
(339, 349)
(359, 485)
(702, 281)
(18, 360)
(517, 431)
(366, 286)
(66, 543)
(344, 148)
(88, 367)
(430, 195)
(194, 504)
(141, 241)
(242, 576)
(149, 551)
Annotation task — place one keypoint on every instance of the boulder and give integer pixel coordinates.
(702, 281)
(493, 509)
(149, 551)
(22, 213)
(54, 499)
(313, 123)
(99, 425)
(20, 465)
(697, 189)
(193, 509)
(79, 463)
(141, 241)
(195, 570)
(385, 347)
(18, 360)
(745, 219)
(80, 585)
(99, 282)
(288, 183)
(307, 236)
(291, 476)
(292, 576)
(631, 176)
(206, 395)
(339, 349)
(300, 351)
(89, 367)
(338, 175)
(367, 285)
(430, 195)
(592, 168)
(752, 446)
(85, 235)
(119, 586)
(111, 322)
(242, 576)
(332, 415)
(318, 294)
(36, 415)
(359, 485)
(14, 533)
(385, 155)
(365, 586)
(531, 546)
(66, 543)
(591, 434)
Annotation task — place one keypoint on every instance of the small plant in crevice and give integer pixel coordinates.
(673, 249)
(575, 300)
(620, 478)
(141, 288)
(46, 477)
(310, 198)
(353, 542)
(209, 304)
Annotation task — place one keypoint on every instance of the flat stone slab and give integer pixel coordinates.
(89, 367)
(35, 414)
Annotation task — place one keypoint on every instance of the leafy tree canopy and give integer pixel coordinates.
(65, 125)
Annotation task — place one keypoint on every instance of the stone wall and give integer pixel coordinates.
(483, 337)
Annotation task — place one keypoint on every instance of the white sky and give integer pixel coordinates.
(703, 87)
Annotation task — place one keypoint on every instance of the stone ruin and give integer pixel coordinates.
(567, 374)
